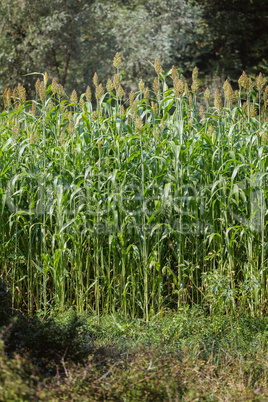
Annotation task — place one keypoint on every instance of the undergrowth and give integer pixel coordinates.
(179, 356)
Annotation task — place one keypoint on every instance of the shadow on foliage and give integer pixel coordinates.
(47, 342)
(5, 304)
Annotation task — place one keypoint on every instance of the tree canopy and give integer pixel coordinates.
(71, 39)
(239, 30)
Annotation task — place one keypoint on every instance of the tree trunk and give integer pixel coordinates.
(65, 68)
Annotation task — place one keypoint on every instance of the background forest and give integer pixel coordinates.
(71, 39)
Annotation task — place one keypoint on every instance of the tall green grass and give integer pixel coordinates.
(136, 205)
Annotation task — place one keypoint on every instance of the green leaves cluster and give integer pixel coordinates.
(138, 206)
(72, 39)
(237, 32)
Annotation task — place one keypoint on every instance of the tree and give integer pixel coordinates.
(142, 30)
(39, 36)
(71, 39)
(239, 31)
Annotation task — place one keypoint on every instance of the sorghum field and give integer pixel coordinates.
(139, 205)
(136, 206)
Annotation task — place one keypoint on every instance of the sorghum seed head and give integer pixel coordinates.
(190, 101)
(235, 96)
(218, 101)
(260, 82)
(42, 91)
(174, 73)
(71, 128)
(131, 97)
(88, 94)
(120, 92)
(63, 109)
(195, 74)
(16, 130)
(250, 85)
(33, 108)
(194, 86)
(207, 94)
(154, 108)
(229, 93)
(201, 112)
(139, 124)
(117, 60)
(14, 94)
(225, 86)
(82, 105)
(107, 162)
(141, 85)
(62, 138)
(109, 85)
(22, 93)
(33, 137)
(134, 107)
(252, 111)
(7, 98)
(95, 80)
(73, 97)
(37, 84)
(147, 95)
(99, 92)
(162, 125)
(94, 115)
(54, 86)
(264, 138)
(122, 109)
(116, 81)
(60, 91)
(157, 67)
(46, 79)
(156, 87)
(243, 81)
(178, 87)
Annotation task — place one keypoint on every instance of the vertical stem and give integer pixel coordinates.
(144, 249)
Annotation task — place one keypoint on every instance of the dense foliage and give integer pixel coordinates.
(137, 206)
(71, 39)
(239, 36)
